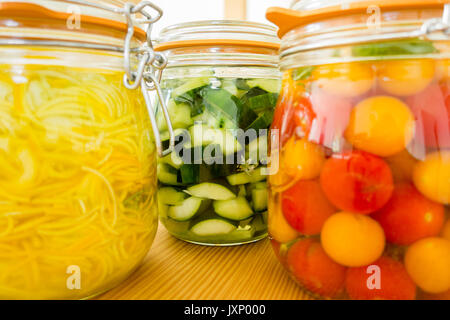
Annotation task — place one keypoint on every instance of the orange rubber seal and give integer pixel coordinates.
(287, 19)
(29, 14)
(217, 42)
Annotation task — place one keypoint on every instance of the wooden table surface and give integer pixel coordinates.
(176, 270)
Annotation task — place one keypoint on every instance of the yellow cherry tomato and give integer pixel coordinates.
(402, 166)
(427, 262)
(278, 227)
(380, 125)
(432, 176)
(303, 159)
(345, 79)
(405, 77)
(352, 239)
(446, 230)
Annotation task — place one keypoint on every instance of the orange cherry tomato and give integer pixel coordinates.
(311, 266)
(409, 216)
(380, 125)
(405, 77)
(305, 207)
(357, 181)
(394, 282)
(352, 239)
(431, 176)
(302, 159)
(345, 79)
(428, 264)
(431, 109)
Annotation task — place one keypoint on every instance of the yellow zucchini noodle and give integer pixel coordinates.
(77, 181)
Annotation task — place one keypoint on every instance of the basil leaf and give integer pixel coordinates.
(392, 48)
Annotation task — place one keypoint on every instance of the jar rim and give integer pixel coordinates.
(218, 32)
(56, 14)
(302, 13)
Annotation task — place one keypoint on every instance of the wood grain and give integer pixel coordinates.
(176, 270)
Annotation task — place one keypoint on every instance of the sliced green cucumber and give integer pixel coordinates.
(259, 199)
(208, 119)
(166, 174)
(173, 160)
(270, 85)
(230, 87)
(185, 210)
(191, 84)
(233, 209)
(212, 227)
(246, 177)
(179, 114)
(170, 196)
(202, 135)
(242, 191)
(210, 190)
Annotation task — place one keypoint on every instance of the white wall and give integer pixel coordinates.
(256, 9)
(177, 11)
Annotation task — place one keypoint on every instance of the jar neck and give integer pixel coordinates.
(222, 55)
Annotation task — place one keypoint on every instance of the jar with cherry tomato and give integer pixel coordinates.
(359, 191)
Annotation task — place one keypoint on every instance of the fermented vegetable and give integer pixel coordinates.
(77, 185)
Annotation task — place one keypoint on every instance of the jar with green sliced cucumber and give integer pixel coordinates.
(221, 86)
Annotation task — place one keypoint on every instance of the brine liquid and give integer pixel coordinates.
(364, 179)
(77, 182)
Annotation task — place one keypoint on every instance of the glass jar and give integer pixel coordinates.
(359, 208)
(78, 181)
(220, 85)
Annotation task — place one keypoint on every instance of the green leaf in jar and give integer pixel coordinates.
(392, 48)
(221, 103)
(302, 73)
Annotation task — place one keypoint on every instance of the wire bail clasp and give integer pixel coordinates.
(150, 65)
(438, 24)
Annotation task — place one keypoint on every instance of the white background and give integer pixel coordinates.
(177, 11)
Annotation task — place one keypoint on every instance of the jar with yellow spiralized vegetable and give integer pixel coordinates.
(77, 155)
(359, 208)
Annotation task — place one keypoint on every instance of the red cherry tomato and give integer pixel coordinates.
(394, 282)
(431, 109)
(332, 116)
(357, 181)
(409, 216)
(305, 207)
(314, 269)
